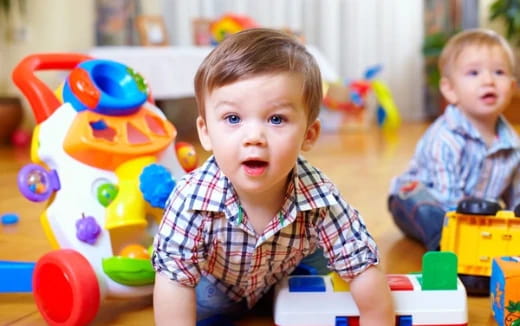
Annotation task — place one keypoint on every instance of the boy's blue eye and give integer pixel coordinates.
(233, 119)
(276, 119)
(500, 72)
(473, 72)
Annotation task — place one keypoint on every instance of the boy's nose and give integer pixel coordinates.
(488, 77)
(254, 134)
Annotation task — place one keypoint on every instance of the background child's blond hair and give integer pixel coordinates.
(472, 37)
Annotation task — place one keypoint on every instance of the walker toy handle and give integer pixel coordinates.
(42, 99)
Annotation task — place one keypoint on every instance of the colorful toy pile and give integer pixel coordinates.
(98, 145)
(351, 101)
(229, 24)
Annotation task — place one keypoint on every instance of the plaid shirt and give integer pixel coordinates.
(454, 162)
(202, 233)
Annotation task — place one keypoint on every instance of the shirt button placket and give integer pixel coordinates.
(483, 180)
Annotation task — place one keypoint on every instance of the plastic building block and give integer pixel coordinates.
(218, 320)
(404, 321)
(505, 290)
(16, 276)
(399, 283)
(439, 271)
(436, 304)
(341, 321)
(304, 269)
(339, 284)
(306, 284)
(8, 219)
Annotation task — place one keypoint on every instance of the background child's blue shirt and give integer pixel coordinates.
(453, 162)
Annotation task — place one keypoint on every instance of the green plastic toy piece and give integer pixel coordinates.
(439, 271)
(106, 193)
(139, 80)
(129, 271)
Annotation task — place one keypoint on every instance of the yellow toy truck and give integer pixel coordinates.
(478, 231)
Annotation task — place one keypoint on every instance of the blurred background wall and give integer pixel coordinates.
(352, 34)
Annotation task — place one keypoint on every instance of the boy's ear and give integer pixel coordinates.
(447, 90)
(311, 135)
(202, 130)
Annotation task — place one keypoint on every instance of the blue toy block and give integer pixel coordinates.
(218, 320)
(404, 320)
(8, 219)
(16, 276)
(306, 284)
(341, 321)
(304, 269)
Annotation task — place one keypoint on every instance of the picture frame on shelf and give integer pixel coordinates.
(202, 31)
(152, 30)
(115, 22)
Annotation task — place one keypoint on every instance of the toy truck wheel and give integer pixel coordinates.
(65, 288)
(476, 206)
(475, 285)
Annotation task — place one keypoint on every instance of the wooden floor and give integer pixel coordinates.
(360, 162)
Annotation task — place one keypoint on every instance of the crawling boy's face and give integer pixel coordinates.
(256, 128)
(480, 81)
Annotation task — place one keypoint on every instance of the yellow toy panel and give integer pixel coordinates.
(477, 239)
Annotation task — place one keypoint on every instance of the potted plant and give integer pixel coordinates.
(13, 12)
(431, 49)
(507, 11)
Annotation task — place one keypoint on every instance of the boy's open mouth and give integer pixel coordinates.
(489, 98)
(254, 167)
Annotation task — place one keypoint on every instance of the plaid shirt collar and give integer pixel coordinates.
(220, 195)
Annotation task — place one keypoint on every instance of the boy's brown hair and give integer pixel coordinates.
(472, 37)
(254, 52)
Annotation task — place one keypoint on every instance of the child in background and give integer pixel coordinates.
(470, 150)
(255, 209)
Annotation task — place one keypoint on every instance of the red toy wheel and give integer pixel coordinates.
(66, 289)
